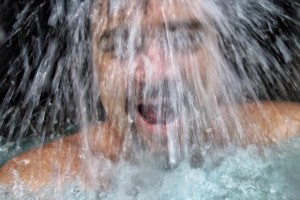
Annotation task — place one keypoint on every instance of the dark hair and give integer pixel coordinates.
(275, 33)
(35, 38)
(38, 95)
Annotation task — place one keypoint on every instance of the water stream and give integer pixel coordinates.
(231, 53)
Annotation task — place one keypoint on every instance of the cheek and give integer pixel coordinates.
(113, 87)
(200, 73)
(196, 67)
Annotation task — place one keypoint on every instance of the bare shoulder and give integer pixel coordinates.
(58, 161)
(37, 167)
(270, 122)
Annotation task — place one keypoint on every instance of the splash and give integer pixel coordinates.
(171, 77)
(273, 177)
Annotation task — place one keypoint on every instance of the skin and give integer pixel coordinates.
(63, 160)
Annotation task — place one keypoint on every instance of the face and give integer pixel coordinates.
(154, 65)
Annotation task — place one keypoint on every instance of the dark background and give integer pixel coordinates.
(25, 24)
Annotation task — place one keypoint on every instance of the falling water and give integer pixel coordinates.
(247, 51)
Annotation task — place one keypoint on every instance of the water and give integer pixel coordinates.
(230, 174)
(247, 50)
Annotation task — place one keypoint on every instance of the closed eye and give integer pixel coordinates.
(186, 41)
(185, 36)
(117, 42)
(112, 39)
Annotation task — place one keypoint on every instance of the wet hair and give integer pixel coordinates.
(276, 32)
(37, 94)
(32, 30)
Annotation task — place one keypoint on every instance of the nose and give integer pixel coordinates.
(153, 64)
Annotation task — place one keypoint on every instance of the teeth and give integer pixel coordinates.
(156, 114)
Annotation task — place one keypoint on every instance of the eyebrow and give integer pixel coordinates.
(192, 24)
(171, 26)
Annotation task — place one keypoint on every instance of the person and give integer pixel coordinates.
(152, 85)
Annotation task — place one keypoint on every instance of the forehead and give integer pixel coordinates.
(109, 14)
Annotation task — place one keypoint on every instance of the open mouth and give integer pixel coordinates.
(157, 113)
(157, 107)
